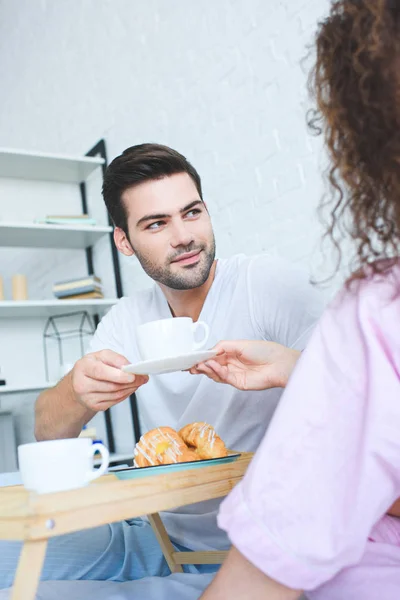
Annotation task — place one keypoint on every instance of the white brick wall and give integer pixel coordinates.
(219, 80)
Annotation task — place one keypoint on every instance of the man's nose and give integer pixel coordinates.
(181, 235)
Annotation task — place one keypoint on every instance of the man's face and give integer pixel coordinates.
(170, 231)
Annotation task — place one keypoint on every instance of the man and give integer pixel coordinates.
(154, 197)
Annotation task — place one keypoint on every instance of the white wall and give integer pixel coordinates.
(219, 80)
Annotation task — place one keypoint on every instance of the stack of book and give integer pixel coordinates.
(66, 220)
(79, 289)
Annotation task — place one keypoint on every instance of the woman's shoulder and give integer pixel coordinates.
(374, 286)
(368, 305)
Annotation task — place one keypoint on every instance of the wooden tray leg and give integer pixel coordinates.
(29, 569)
(163, 539)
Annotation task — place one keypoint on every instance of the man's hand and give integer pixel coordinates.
(250, 365)
(98, 382)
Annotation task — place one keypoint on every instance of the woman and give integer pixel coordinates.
(310, 515)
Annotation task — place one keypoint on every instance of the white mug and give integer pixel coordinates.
(170, 337)
(60, 465)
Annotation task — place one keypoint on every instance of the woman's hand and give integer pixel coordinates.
(394, 511)
(250, 365)
(239, 579)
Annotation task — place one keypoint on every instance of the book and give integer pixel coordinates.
(91, 276)
(73, 283)
(87, 296)
(84, 289)
(79, 289)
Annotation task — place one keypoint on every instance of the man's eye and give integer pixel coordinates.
(155, 225)
(193, 213)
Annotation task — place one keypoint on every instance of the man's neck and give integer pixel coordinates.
(189, 303)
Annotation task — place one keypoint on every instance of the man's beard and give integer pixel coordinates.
(190, 276)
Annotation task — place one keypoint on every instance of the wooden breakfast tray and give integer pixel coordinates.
(34, 518)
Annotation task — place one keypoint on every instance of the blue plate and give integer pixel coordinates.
(135, 473)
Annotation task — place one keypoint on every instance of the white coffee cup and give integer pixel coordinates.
(170, 337)
(60, 465)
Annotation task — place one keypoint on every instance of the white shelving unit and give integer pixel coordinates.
(22, 164)
(15, 233)
(32, 235)
(40, 166)
(52, 308)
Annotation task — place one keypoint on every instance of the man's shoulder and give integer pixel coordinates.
(281, 284)
(264, 266)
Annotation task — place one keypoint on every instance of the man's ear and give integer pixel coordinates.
(122, 242)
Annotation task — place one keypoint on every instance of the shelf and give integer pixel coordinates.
(49, 308)
(32, 235)
(22, 164)
(17, 389)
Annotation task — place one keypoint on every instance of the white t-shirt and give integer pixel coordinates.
(256, 297)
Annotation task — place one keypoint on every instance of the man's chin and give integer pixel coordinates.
(190, 267)
(189, 277)
(199, 266)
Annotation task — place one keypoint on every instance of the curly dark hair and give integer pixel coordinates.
(356, 86)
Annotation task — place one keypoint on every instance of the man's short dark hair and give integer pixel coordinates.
(136, 165)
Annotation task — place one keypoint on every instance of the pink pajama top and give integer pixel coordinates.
(310, 512)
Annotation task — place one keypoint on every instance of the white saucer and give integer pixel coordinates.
(169, 365)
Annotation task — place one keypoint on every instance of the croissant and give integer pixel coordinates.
(162, 446)
(201, 438)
